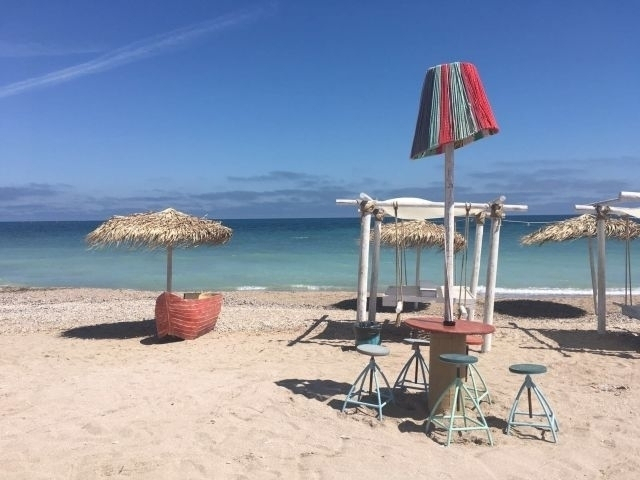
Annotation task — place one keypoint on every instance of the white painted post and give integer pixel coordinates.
(594, 280)
(169, 267)
(366, 208)
(492, 271)
(477, 254)
(375, 264)
(418, 255)
(449, 225)
(602, 287)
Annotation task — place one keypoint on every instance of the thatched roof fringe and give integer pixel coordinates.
(583, 226)
(417, 233)
(168, 228)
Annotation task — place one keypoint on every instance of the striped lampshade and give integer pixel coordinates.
(453, 109)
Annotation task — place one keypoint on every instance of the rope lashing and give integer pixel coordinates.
(367, 207)
(378, 214)
(497, 211)
(602, 211)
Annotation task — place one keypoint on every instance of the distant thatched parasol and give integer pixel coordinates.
(166, 229)
(417, 234)
(583, 226)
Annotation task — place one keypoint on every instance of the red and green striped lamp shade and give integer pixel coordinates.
(453, 109)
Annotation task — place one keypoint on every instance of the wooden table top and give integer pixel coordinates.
(462, 327)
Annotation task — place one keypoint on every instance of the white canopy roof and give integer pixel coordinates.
(410, 208)
(417, 209)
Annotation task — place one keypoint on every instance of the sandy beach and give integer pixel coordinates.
(87, 391)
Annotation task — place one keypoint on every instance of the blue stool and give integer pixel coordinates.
(421, 367)
(550, 423)
(355, 395)
(458, 420)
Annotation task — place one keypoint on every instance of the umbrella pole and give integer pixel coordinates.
(169, 267)
(449, 232)
(418, 255)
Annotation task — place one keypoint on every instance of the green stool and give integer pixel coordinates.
(458, 419)
(550, 423)
(421, 367)
(355, 395)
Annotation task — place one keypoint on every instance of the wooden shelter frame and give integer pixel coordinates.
(602, 209)
(414, 209)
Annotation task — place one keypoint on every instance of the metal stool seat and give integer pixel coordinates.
(355, 395)
(549, 422)
(458, 419)
(403, 381)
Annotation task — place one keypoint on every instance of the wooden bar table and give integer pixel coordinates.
(445, 339)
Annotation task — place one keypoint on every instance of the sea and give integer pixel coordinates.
(306, 254)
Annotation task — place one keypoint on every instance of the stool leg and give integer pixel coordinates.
(375, 376)
(372, 370)
(361, 377)
(458, 395)
(514, 405)
(420, 367)
(548, 413)
(552, 423)
(476, 405)
(386, 382)
(399, 383)
(479, 385)
(453, 412)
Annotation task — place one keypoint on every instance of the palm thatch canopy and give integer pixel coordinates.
(583, 226)
(168, 228)
(417, 234)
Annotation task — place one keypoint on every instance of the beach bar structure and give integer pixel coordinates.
(421, 209)
(601, 210)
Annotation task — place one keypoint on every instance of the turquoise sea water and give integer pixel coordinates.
(290, 254)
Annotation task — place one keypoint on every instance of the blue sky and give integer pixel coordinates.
(252, 109)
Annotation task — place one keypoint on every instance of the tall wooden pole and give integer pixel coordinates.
(477, 254)
(366, 208)
(378, 213)
(449, 226)
(602, 287)
(594, 279)
(492, 271)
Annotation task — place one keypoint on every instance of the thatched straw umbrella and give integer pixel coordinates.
(417, 234)
(166, 229)
(584, 226)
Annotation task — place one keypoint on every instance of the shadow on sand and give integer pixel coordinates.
(352, 304)
(325, 331)
(537, 309)
(619, 344)
(145, 329)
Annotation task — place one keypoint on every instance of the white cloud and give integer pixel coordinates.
(133, 52)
